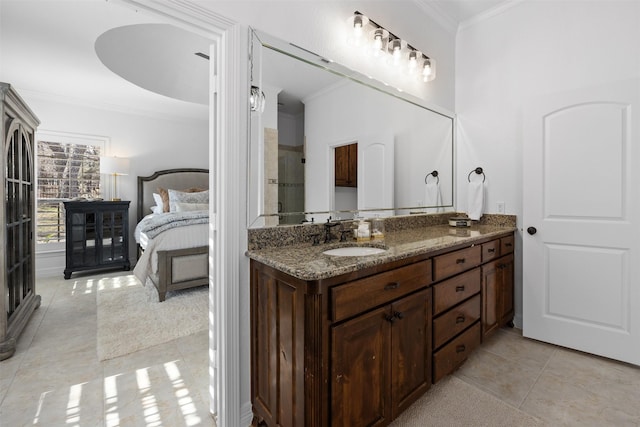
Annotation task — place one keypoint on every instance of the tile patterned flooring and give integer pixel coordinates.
(55, 378)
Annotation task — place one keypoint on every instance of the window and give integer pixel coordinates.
(68, 167)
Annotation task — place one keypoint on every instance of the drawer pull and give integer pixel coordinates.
(398, 314)
(460, 288)
(461, 348)
(392, 285)
(460, 319)
(491, 250)
(460, 261)
(508, 245)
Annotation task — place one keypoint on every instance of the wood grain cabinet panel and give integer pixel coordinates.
(497, 294)
(346, 165)
(456, 262)
(452, 355)
(455, 320)
(452, 291)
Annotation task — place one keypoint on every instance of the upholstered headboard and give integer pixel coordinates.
(176, 179)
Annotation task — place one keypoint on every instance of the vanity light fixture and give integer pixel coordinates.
(383, 43)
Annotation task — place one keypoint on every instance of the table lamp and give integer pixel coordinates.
(114, 166)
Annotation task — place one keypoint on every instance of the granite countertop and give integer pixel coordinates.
(307, 262)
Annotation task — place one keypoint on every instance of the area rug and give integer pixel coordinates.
(130, 318)
(455, 403)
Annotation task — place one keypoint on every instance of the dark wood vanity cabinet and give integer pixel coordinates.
(346, 165)
(324, 355)
(358, 349)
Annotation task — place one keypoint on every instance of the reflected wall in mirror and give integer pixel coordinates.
(315, 113)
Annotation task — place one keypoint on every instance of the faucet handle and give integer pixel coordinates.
(343, 233)
(315, 239)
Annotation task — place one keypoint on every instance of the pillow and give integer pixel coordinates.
(157, 209)
(158, 199)
(187, 207)
(185, 197)
(164, 195)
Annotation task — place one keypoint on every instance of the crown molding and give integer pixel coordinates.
(438, 15)
(489, 13)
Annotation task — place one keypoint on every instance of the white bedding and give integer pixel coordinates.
(186, 236)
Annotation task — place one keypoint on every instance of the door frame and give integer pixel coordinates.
(227, 109)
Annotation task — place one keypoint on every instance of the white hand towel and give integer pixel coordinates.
(432, 195)
(475, 200)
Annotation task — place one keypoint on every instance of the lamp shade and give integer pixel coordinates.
(114, 165)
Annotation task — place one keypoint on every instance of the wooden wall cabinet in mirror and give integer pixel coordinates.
(17, 218)
(346, 165)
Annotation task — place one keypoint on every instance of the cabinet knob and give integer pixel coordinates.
(491, 250)
(392, 285)
(390, 318)
(460, 348)
(460, 261)
(398, 314)
(460, 319)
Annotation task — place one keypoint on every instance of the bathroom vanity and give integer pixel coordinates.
(354, 341)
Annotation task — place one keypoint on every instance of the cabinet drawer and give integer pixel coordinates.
(490, 250)
(450, 292)
(456, 262)
(455, 320)
(452, 355)
(506, 245)
(363, 294)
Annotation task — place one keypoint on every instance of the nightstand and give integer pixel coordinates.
(97, 236)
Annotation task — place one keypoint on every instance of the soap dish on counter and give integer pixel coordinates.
(459, 221)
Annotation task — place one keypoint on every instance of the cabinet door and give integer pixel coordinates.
(346, 166)
(490, 297)
(506, 289)
(411, 350)
(360, 363)
(497, 294)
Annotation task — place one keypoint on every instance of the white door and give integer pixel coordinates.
(375, 173)
(581, 239)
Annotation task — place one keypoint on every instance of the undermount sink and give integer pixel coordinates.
(354, 251)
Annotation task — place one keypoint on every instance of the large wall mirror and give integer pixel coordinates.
(327, 141)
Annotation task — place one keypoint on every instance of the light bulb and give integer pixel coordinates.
(413, 61)
(396, 51)
(357, 26)
(426, 70)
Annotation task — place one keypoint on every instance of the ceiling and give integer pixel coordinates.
(56, 58)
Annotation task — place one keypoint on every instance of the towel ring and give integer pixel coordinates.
(433, 174)
(479, 171)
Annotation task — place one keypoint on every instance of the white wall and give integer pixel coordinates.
(418, 135)
(151, 144)
(531, 50)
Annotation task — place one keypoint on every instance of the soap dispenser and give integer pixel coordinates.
(363, 232)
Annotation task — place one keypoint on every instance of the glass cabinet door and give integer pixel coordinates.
(112, 236)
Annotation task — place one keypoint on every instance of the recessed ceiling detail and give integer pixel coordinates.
(159, 58)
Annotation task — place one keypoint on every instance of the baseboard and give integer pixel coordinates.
(517, 320)
(246, 414)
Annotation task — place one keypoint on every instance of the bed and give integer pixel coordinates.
(173, 251)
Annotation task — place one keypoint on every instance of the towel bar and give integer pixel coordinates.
(477, 170)
(433, 174)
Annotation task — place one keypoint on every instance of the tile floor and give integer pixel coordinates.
(55, 378)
